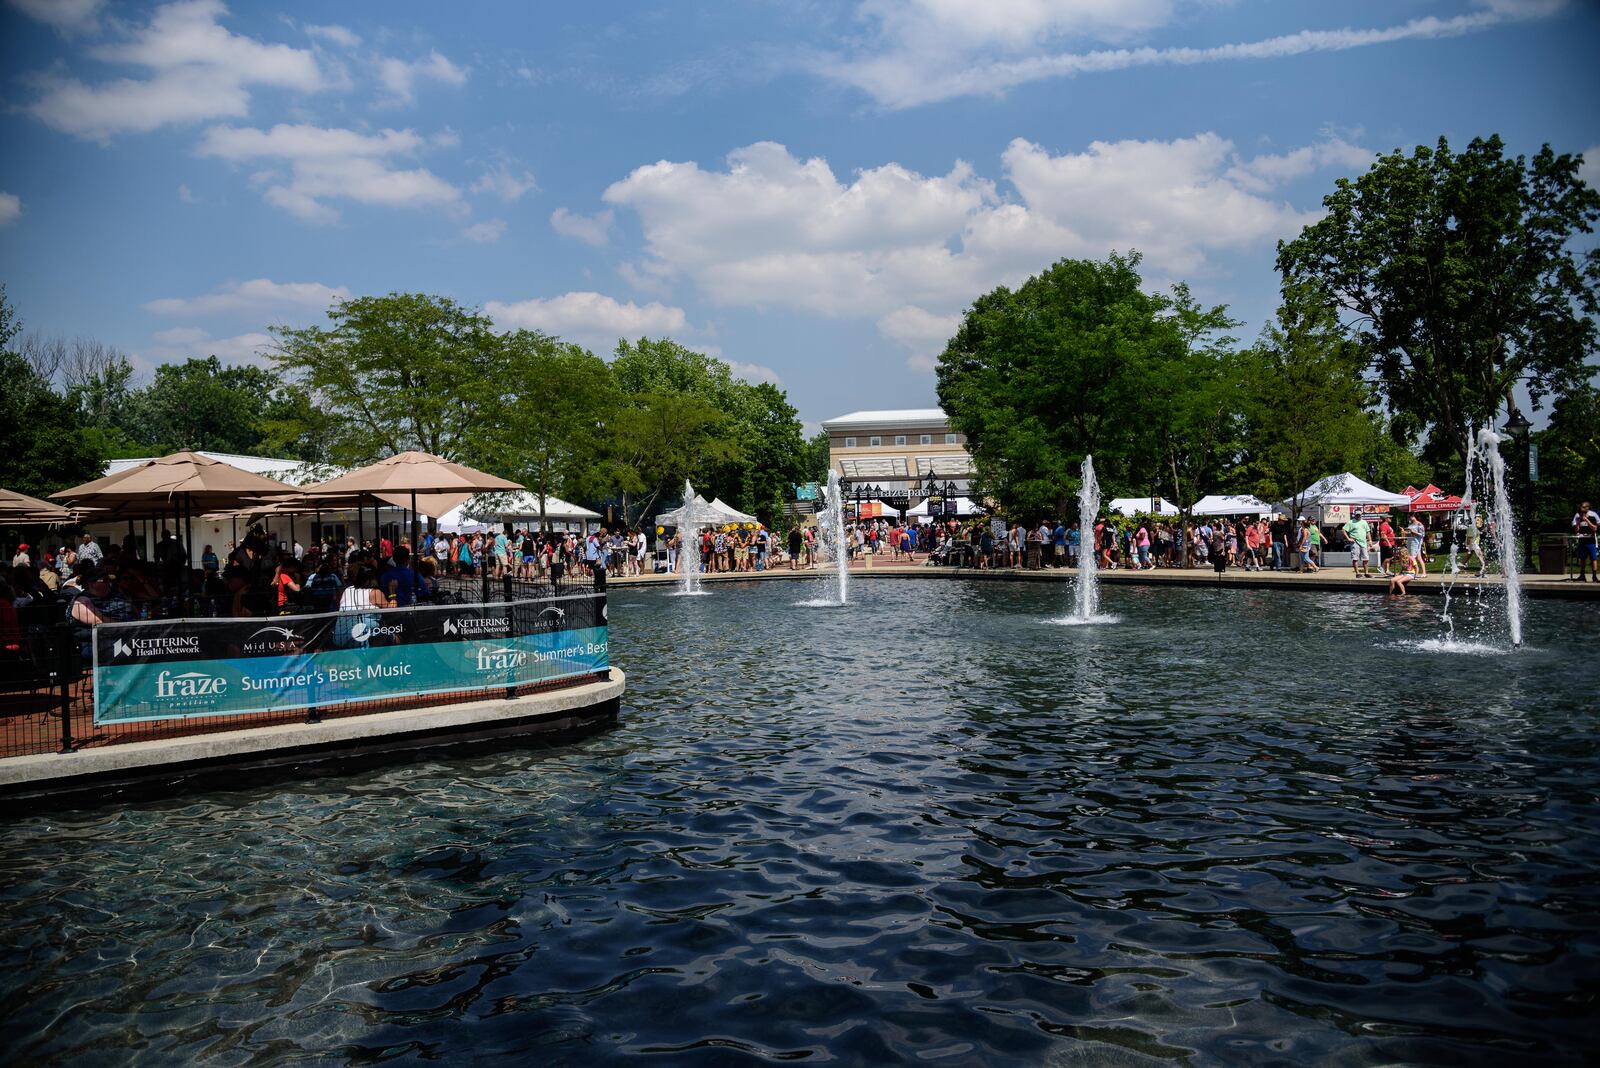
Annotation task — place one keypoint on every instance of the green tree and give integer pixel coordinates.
(1039, 376)
(661, 439)
(818, 457)
(402, 371)
(293, 426)
(550, 423)
(1191, 396)
(1459, 275)
(200, 404)
(768, 447)
(1569, 459)
(44, 446)
(1305, 399)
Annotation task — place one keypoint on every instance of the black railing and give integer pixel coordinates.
(46, 685)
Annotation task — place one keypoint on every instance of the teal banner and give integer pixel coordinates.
(184, 668)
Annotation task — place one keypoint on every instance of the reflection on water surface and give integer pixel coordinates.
(1234, 826)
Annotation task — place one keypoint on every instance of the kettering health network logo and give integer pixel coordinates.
(470, 625)
(137, 648)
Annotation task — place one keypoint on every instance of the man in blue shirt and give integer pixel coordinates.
(1058, 538)
(399, 583)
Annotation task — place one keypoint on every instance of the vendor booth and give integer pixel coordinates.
(1132, 506)
(1231, 504)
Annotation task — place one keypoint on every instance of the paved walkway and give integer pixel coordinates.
(1551, 586)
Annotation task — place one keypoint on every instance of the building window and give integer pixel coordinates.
(849, 443)
(899, 439)
(874, 441)
(925, 439)
(949, 439)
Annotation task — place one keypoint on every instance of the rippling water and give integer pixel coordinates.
(1233, 827)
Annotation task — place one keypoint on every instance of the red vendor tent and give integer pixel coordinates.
(1432, 499)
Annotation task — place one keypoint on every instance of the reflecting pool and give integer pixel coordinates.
(1235, 826)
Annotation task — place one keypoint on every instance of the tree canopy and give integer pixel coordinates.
(1459, 277)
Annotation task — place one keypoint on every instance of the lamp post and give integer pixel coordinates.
(1518, 429)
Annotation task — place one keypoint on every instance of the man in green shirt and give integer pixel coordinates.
(1360, 533)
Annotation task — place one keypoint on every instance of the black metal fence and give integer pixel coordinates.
(46, 685)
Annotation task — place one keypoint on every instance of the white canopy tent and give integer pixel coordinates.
(964, 507)
(1132, 506)
(490, 510)
(1348, 489)
(698, 512)
(1231, 504)
(733, 514)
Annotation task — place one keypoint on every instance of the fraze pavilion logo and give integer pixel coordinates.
(170, 685)
(503, 658)
(141, 647)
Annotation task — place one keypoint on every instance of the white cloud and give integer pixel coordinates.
(503, 183)
(198, 71)
(182, 343)
(181, 335)
(10, 207)
(754, 373)
(909, 251)
(487, 232)
(590, 229)
(400, 77)
(924, 51)
(186, 194)
(67, 16)
(338, 35)
(1590, 171)
(591, 319)
(331, 164)
(254, 296)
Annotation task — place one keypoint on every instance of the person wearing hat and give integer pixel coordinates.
(22, 559)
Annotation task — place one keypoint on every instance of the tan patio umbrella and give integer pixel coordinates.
(412, 476)
(20, 508)
(178, 485)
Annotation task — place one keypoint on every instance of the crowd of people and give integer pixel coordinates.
(84, 582)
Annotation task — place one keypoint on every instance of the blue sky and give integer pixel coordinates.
(812, 191)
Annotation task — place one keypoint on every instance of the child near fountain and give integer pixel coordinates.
(1404, 571)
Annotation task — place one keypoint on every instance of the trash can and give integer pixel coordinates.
(1032, 562)
(1553, 554)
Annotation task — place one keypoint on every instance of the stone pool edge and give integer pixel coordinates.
(163, 766)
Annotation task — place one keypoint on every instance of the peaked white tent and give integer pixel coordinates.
(733, 514)
(520, 509)
(696, 511)
(1348, 489)
(1230, 504)
(1132, 506)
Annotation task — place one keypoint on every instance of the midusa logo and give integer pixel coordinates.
(283, 633)
(190, 684)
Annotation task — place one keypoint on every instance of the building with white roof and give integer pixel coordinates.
(897, 451)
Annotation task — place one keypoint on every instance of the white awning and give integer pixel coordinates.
(1132, 506)
(1348, 489)
(1231, 504)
